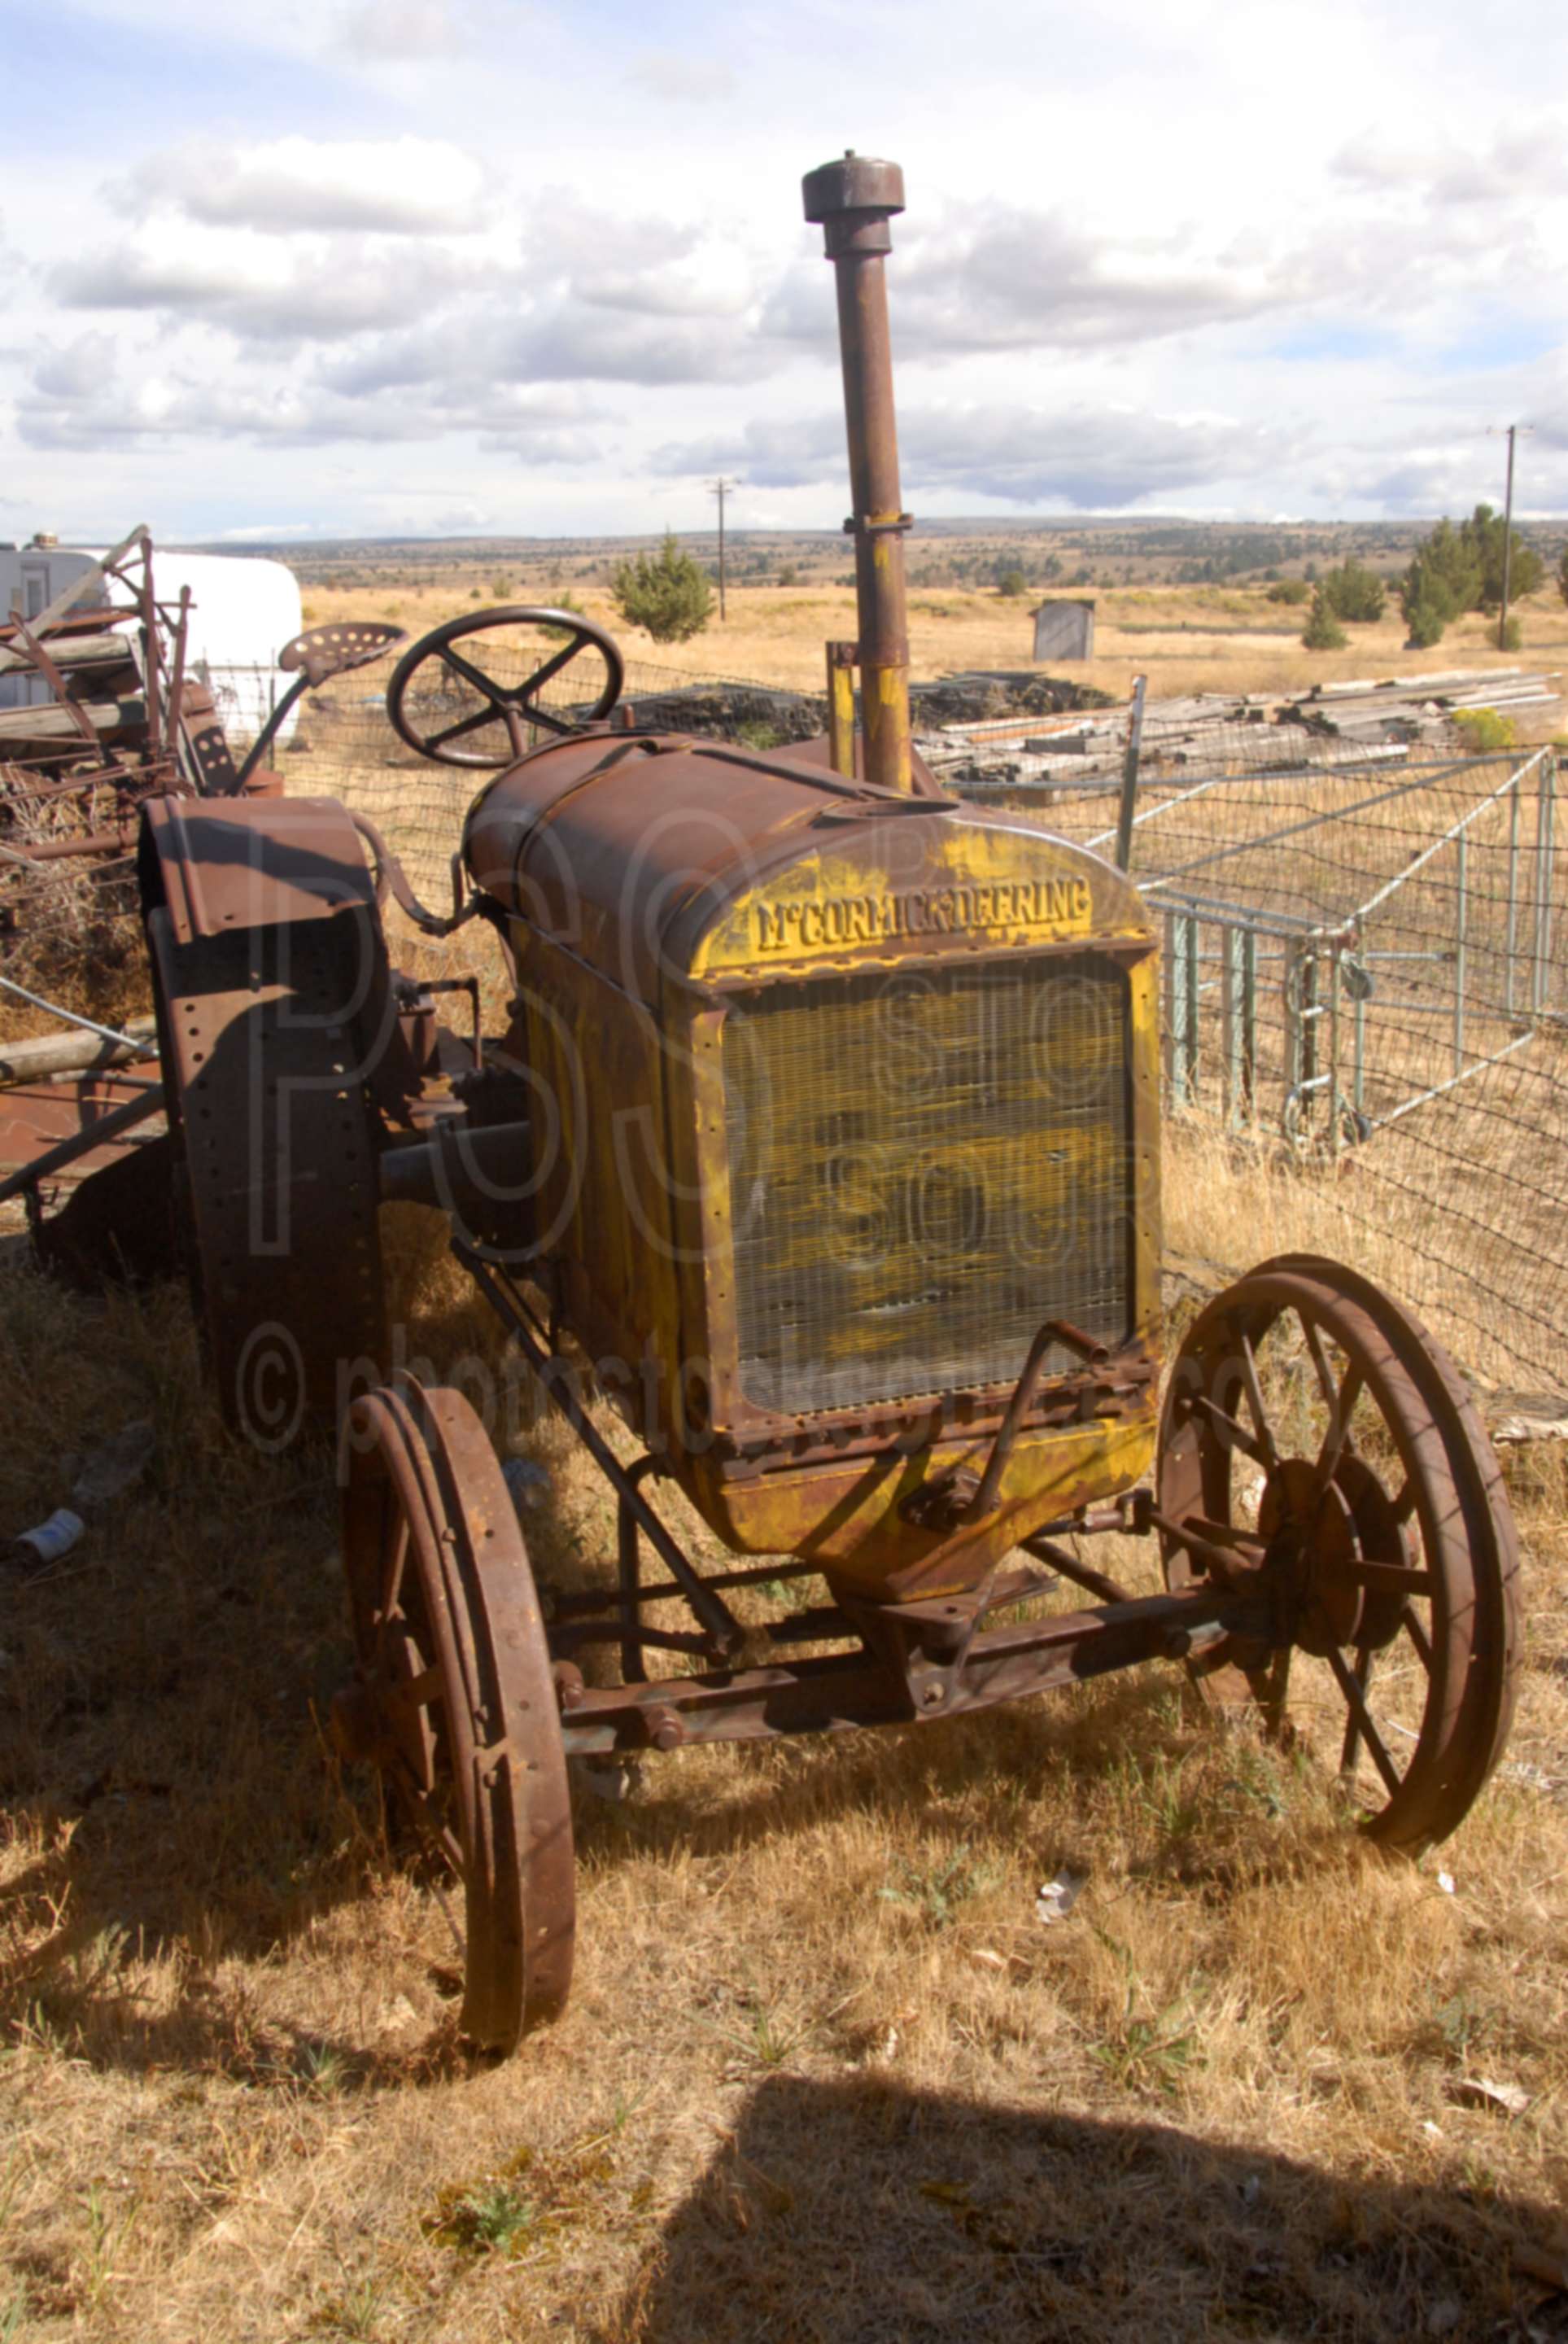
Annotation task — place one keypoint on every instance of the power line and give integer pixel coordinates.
(720, 488)
(1511, 430)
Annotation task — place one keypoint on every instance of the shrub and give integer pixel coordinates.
(558, 598)
(1322, 631)
(1424, 622)
(1456, 569)
(1482, 729)
(666, 593)
(1513, 636)
(1354, 592)
(1525, 568)
(1444, 578)
(1011, 582)
(1294, 591)
(1563, 575)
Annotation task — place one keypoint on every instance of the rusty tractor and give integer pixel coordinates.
(822, 1149)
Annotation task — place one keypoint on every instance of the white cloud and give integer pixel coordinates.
(392, 186)
(699, 81)
(531, 246)
(267, 289)
(398, 31)
(1089, 459)
(994, 277)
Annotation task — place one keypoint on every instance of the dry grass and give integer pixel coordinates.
(1185, 637)
(824, 2076)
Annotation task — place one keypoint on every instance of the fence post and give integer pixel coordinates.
(1129, 776)
(1181, 1005)
(1543, 882)
(1334, 1048)
(1512, 899)
(1238, 1010)
(1461, 910)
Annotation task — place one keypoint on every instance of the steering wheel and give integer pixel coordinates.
(515, 705)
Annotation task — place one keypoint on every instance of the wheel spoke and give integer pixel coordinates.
(420, 1691)
(458, 1937)
(1351, 1688)
(486, 685)
(1418, 1637)
(1233, 1427)
(1270, 1690)
(491, 715)
(1321, 1360)
(1352, 1716)
(525, 691)
(1337, 1438)
(396, 1560)
(1389, 1578)
(1268, 1445)
(1227, 1535)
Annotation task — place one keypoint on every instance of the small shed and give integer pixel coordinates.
(1064, 628)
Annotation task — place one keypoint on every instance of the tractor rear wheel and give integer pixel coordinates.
(273, 1165)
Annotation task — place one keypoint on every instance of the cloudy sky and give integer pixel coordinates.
(378, 266)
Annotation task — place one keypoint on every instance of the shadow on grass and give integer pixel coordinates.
(861, 2212)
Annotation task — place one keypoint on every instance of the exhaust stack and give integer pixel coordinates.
(853, 201)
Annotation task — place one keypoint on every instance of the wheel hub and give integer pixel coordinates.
(1313, 1546)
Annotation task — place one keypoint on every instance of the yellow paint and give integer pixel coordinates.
(636, 1195)
(847, 1517)
(987, 886)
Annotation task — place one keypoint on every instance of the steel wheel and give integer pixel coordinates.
(454, 1699)
(1315, 1438)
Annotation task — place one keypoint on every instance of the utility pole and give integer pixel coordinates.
(720, 488)
(1512, 432)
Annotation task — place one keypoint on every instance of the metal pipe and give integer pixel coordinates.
(718, 1624)
(124, 1118)
(71, 1017)
(853, 200)
(69, 1053)
(462, 1165)
(841, 709)
(269, 731)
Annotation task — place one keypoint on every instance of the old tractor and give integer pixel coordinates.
(821, 1148)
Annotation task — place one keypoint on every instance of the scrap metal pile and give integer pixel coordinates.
(1244, 733)
(820, 1146)
(100, 722)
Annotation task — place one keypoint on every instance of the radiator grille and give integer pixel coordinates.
(923, 1170)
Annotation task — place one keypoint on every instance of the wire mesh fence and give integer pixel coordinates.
(1365, 973)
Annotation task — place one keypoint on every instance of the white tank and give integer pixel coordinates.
(244, 610)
